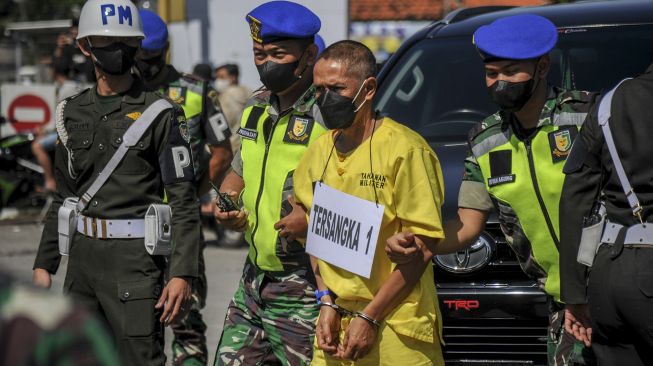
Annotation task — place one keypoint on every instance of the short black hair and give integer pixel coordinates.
(203, 71)
(232, 69)
(356, 57)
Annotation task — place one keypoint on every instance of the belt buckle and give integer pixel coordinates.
(94, 228)
(637, 212)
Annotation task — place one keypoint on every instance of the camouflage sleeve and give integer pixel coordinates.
(237, 163)
(51, 330)
(175, 162)
(473, 193)
(215, 125)
(47, 256)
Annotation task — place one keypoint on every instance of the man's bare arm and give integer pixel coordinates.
(459, 234)
(463, 231)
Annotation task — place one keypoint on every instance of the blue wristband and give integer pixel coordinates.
(319, 294)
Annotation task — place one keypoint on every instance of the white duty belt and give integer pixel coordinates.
(111, 229)
(639, 234)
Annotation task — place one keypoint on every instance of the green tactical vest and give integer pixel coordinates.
(268, 167)
(524, 179)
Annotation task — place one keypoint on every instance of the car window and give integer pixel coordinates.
(438, 89)
(438, 86)
(597, 58)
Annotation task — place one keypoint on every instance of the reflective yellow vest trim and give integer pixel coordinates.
(265, 170)
(532, 189)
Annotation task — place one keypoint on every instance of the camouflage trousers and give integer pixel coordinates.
(270, 320)
(562, 348)
(189, 343)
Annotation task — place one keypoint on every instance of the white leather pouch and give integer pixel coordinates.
(158, 233)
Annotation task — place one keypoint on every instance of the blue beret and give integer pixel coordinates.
(319, 42)
(277, 20)
(518, 37)
(155, 29)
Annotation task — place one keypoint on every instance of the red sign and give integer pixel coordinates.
(28, 112)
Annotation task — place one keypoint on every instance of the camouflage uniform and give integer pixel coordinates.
(38, 328)
(274, 313)
(564, 109)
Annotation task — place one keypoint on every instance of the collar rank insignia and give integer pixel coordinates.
(255, 29)
(561, 141)
(299, 130)
(133, 116)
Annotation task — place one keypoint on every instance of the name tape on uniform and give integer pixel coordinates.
(343, 229)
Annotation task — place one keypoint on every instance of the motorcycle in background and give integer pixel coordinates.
(20, 174)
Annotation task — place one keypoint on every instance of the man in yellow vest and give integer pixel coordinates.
(207, 125)
(271, 319)
(516, 159)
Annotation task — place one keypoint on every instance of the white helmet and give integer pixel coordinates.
(112, 18)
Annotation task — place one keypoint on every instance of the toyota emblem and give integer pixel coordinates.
(469, 260)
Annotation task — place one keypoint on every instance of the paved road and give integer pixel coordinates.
(18, 244)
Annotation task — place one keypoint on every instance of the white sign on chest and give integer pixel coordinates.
(343, 229)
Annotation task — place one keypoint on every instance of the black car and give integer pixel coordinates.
(492, 312)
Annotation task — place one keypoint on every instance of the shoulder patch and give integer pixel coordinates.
(299, 130)
(561, 142)
(177, 94)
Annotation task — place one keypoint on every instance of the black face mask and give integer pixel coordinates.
(338, 112)
(150, 67)
(278, 77)
(512, 97)
(114, 59)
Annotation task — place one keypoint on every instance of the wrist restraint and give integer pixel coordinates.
(357, 314)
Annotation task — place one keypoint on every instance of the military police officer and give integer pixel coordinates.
(121, 149)
(271, 318)
(512, 153)
(206, 125)
(619, 292)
